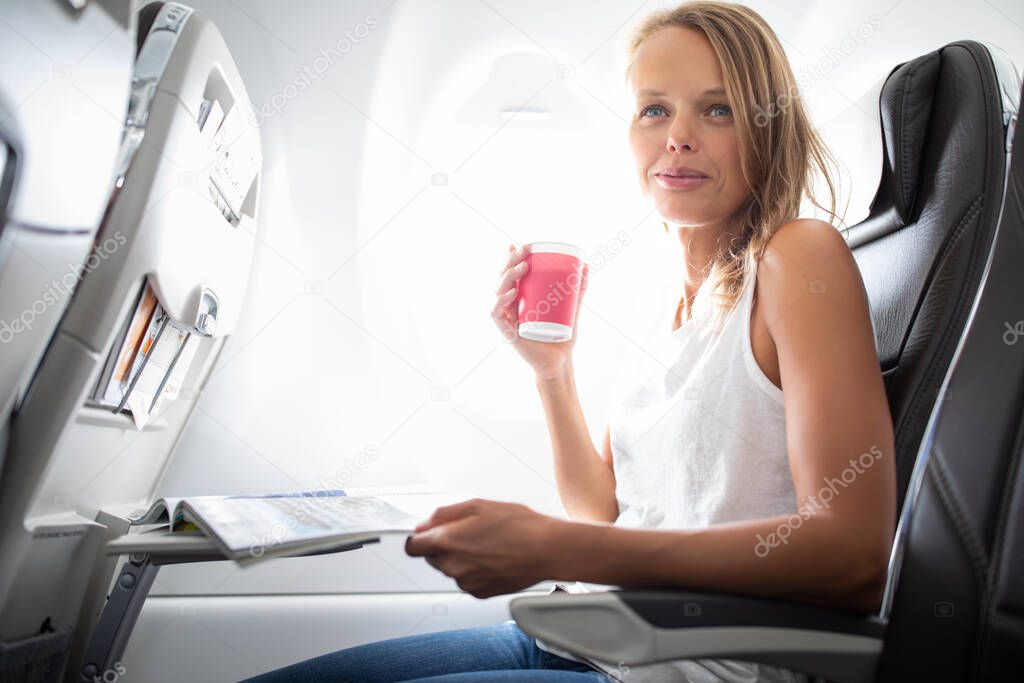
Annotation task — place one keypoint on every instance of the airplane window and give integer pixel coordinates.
(495, 166)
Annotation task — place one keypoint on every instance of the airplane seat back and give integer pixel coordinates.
(177, 236)
(61, 119)
(59, 137)
(921, 248)
(955, 595)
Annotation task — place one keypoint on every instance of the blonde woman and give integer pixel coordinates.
(778, 478)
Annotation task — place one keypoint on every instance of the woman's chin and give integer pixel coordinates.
(680, 211)
(683, 220)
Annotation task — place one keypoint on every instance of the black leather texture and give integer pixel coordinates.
(922, 248)
(958, 610)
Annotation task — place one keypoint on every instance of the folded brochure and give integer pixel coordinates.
(253, 527)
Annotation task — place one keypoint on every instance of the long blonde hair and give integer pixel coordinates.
(779, 149)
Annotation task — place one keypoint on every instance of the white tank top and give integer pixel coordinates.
(699, 439)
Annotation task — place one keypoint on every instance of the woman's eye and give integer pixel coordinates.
(643, 112)
(721, 106)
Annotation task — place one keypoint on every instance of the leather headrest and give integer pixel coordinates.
(905, 106)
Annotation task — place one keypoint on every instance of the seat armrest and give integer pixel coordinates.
(645, 626)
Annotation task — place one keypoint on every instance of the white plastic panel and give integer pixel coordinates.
(38, 273)
(55, 553)
(175, 234)
(66, 457)
(65, 100)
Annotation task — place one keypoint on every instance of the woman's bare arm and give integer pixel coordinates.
(834, 548)
(586, 482)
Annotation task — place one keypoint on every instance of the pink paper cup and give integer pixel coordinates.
(550, 291)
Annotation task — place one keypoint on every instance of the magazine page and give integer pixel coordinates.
(287, 523)
(295, 494)
(158, 512)
(248, 527)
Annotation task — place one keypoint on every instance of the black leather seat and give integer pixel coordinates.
(922, 248)
(941, 256)
(955, 600)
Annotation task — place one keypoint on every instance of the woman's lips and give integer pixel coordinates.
(679, 182)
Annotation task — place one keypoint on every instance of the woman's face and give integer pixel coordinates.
(681, 118)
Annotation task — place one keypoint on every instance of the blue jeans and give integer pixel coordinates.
(489, 653)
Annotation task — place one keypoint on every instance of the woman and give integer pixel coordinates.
(744, 488)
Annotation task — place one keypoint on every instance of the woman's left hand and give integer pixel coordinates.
(489, 547)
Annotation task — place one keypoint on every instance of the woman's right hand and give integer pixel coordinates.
(546, 358)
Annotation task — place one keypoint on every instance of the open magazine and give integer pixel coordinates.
(250, 528)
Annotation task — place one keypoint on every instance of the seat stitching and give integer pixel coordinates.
(917, 402)
(902, 144)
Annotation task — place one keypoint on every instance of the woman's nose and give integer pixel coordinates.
(674, 146)
(680, 138)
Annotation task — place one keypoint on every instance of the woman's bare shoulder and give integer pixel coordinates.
(805, 261)
(804, 243)
(805, 255)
